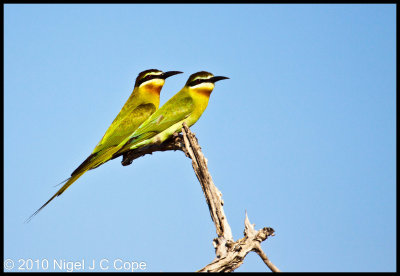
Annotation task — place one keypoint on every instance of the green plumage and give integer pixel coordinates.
(143, 102)
(123, 126)
(186, 106)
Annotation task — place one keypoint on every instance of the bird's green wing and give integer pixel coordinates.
(124, 126)
(169, 114)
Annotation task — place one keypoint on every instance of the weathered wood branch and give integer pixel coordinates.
(230, 254)
(237, 251)
(212, 194)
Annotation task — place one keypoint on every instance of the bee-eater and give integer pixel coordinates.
(185, 106)
(143, 102)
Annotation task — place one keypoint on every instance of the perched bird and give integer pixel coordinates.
(143, 102)
(185, 106)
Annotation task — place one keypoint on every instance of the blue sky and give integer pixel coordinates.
(302, 135)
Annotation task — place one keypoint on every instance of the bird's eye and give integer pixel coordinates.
(147, 77)
(144, 79)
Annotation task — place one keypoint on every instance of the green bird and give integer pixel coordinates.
(143, 102)
(185, 106)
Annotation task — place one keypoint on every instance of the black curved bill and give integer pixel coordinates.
(217, 78)
(170, 74)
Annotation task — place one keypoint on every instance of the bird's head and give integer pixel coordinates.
(203, 82)
(153, 79)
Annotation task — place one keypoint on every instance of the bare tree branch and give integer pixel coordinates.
(230, 254)
(212, 194)
(238, 250)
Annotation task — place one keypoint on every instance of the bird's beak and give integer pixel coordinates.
(170, 74)
(217, 78)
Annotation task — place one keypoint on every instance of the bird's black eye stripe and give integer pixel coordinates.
(198, 81)
(148, 77)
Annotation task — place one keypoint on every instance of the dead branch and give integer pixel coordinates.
(230, 254)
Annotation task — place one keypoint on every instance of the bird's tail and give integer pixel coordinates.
(94, 160)
(71, 180)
